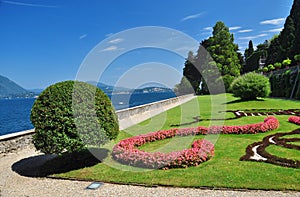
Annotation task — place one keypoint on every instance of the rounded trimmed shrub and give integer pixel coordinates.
(265, 69)
(250, 86)
(69, 116)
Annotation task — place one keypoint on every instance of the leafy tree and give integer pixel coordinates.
(252, 61)
(273, 51)
(288, 42)
(287, 39)
(220, 59)
(68, 116)
(249, 51)
(184, 87)
(295, 15)
(223, 50)
(191, 73)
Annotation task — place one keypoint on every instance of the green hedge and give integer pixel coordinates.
(69, 116)
(250, 86)
(282, 83)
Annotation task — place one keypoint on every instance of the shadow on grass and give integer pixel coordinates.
(242, 101)
(45, 165)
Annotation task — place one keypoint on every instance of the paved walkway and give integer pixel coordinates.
(13, 184)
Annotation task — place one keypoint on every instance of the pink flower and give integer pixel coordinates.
(127, 152)
(294, 119)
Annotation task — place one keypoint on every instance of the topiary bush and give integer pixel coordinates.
(250, 86)
(69, 116)
(265, 69)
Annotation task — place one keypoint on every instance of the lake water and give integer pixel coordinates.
(15, 113)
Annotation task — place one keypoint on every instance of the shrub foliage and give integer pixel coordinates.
(250, 86)
(285, 83)
(68, 116)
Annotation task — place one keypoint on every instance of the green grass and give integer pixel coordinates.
(224, 170)
(283, 152)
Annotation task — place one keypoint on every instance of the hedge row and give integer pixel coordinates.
(282, 83)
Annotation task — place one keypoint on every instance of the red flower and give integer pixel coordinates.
(127, 152)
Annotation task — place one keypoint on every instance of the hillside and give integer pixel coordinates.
(9, 89)
(108, 89)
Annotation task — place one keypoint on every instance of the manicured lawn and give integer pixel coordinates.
(224, 170)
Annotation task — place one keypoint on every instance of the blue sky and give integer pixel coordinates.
(46, 41)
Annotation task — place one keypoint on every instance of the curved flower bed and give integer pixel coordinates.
(294, 119)
(257, 151)
(127, 152)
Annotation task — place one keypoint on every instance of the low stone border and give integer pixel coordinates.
(15, 141)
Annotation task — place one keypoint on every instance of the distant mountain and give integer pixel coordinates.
(153, 90)
(9, 89)
(37, 91)
(108, 89)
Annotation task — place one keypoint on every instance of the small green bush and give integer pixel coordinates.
(265, 69)
(286, 62)
(297, 58)
(250, 86)
(277, 65)
(271, 67)
(69, 116)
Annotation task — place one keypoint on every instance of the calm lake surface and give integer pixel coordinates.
(15, 113)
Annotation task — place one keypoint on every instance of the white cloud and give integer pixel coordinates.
(274, 30)
(235, 28)
(82, 36)
(108, 35)
(28, 4)
(253, 37)
(185, 49)
(277, 21)
(115, 41)
(208, 28)
(245, 30)
(192, 16)
(110, 48)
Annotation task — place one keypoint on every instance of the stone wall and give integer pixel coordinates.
(134, 115)
(127, 117)
(15, 141)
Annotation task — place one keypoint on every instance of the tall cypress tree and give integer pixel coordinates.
(287, 39)
(273, 51)
(288, 42)
(295, 15)
(249, 51)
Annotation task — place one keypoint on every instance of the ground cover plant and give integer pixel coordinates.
(224, 170)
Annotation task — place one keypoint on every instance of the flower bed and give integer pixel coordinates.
(295, 119)
(257, 151)
(127, 152)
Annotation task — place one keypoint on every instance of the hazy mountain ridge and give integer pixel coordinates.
(9, 89)
(108, 89)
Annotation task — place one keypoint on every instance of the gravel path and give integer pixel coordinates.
(12, 184)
